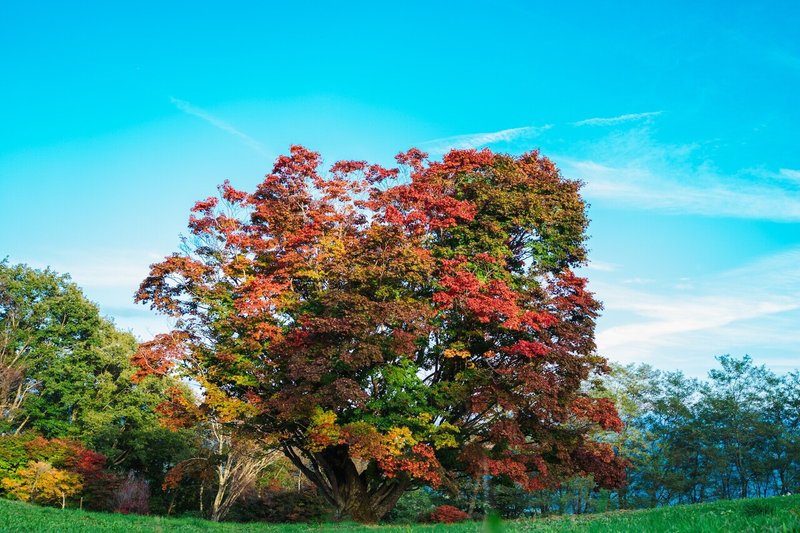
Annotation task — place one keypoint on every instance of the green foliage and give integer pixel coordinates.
(46, 327)
(65, 372)
(73, 364)
(736, 435)
(13, 453)
(411, 506)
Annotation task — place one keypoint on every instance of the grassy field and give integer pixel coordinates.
(781, 514)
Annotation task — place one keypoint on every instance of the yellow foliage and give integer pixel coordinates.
(444, 436)
(425, 418)
(323, 430)
(41, 482)
(226, 408)
(397, 439)
(453, 353)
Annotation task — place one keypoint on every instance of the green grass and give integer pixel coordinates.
(780, 514)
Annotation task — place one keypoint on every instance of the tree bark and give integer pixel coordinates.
(363, 495)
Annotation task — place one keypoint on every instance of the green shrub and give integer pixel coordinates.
(758, 508)
(410, 507)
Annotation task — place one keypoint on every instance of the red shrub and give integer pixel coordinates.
(133, 496)
(447, 514)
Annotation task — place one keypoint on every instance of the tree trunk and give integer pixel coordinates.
(361, 494)
(361, 500)
(370, 508)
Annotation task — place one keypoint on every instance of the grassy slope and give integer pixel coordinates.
(781, 514)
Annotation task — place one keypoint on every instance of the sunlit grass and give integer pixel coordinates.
(779, 514)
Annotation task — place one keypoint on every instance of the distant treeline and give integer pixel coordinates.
(734, 435)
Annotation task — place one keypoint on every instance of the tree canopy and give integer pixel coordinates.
(394, 327)
(65, 371)
(45, 322)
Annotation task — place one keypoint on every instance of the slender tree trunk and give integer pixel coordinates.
(172, 502)
(22, 425)
(240, 470)
(474, 500)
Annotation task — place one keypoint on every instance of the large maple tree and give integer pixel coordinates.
(394, 327)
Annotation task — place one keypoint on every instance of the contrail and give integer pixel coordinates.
(188, 108)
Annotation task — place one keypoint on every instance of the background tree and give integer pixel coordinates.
(737, 408)
(734, 435)
(395, 333)
(784, 416)
(65, 371)
(43, 319)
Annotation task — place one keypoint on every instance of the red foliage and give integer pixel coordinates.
(414, 158)
(599, 459)
(447, 514)
(599, 410)
(158, 356)
(132, 496)
(420, 464)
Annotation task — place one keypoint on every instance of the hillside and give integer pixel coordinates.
(766, 515)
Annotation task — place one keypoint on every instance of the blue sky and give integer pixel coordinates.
(682, 119)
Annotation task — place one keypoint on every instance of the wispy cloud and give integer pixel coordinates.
(109, 268)
(631, 169)
(475, 140)
(684, 191)
(735, 309)
(190, 109)
(638, 281)
(790, 174)
(612, 121)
